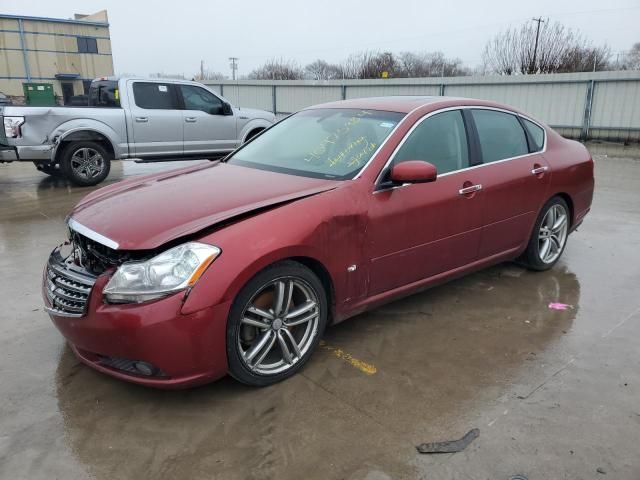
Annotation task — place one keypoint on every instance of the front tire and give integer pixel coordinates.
(275, 324)
(85, 163)
(549, 237)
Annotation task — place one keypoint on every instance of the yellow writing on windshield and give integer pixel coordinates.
(317, 153)
(350, 155)
(357, 160)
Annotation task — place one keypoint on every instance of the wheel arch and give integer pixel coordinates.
(228, 290)
(253, 126)
(253, 132)
(81, 135)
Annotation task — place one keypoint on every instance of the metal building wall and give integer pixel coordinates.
(590, 105)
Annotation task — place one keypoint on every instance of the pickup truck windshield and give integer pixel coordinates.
(104, 93)
(321, 143)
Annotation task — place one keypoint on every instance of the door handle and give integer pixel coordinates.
(142, 119)
(539, 170)
(190, 119)
(471, 189)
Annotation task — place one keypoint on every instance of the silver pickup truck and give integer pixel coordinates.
(147, 119)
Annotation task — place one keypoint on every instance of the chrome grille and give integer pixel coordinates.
(67, 287)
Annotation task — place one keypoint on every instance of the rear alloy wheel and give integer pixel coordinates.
(275, 324)
(549, 236)
(85, 163)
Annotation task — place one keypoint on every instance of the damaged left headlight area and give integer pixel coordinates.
(137, 276)
(72, 271)
(173, 270)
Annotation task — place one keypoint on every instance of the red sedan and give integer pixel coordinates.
(238, 266)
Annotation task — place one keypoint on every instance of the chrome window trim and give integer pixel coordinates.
(460, 107)
(93, 235)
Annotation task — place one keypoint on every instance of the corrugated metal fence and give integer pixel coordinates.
(592, 105)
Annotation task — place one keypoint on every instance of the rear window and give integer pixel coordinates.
(104, 93)
(537, 134)
(154, 96)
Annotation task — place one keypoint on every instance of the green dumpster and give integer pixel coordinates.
(39, 94)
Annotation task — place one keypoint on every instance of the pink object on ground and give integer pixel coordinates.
(559, 306)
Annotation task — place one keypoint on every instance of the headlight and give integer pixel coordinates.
(176, 269)
(12, 126)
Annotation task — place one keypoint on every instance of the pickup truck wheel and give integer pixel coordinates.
(85, 163)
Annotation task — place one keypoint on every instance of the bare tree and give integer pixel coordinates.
(557, 49)
(209, 75)
(632, 58)
(370, 65)
(322, 70)
(584, 59)
(277, 70)
(429, 64)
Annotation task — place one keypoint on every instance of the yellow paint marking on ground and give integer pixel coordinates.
(364, 367)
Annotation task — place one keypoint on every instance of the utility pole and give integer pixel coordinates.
(234, 66)
(532, 66)
(201, 70)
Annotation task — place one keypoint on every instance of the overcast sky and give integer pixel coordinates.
(173, 36)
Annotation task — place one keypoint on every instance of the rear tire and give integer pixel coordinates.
(275, 324)
(85, 163)
(549, 236)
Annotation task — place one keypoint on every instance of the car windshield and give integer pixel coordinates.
(321, 143)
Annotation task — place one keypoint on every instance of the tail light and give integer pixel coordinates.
(12, 126)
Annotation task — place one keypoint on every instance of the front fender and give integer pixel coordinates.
(222, 282)
(327, 228)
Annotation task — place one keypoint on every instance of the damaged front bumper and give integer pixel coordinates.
(153, 343)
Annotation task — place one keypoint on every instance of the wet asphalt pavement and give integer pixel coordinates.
(554, 393)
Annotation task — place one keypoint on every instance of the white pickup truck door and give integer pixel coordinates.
(207, 130)
(156, 120)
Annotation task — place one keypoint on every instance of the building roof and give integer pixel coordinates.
(54, 20)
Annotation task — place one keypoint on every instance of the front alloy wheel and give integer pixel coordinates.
(275, 324)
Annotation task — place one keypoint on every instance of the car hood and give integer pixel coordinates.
(147, 212)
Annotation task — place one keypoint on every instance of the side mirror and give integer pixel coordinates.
(413, 171)
(226, 109)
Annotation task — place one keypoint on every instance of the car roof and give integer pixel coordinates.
(407, 103)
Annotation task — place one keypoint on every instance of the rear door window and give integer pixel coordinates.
(154, 96)
(104, 93)
(501, 135)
